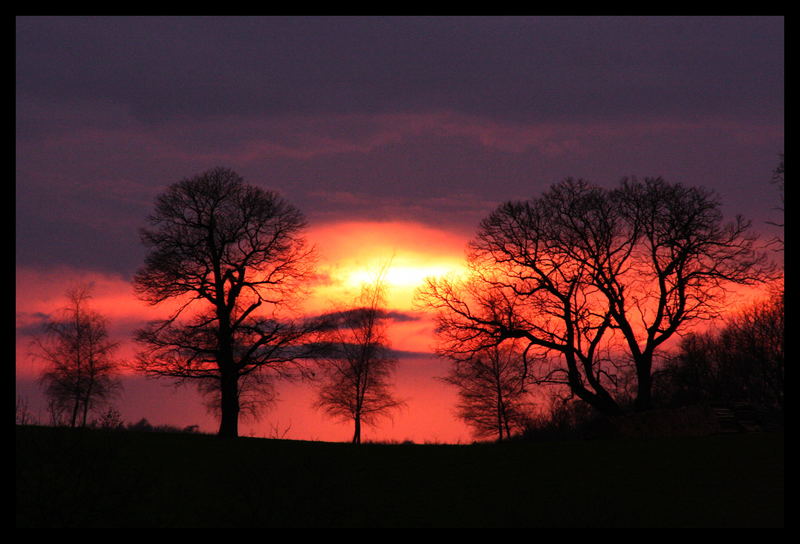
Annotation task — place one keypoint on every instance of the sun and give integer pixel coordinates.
(402, 276)
(352, 255)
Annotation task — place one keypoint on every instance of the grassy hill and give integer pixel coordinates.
(68, 478)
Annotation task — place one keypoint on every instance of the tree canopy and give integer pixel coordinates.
(81, 373)
(594, 281)
(232, 256)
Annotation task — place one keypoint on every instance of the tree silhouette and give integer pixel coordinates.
(778, 180)
(492, 391)
(357, 375)
(592, 278)
(80, 373)
(741, 362)
(232, 257)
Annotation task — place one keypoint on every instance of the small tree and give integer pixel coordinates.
(492, 393)
(80, 372)
(778, 180)
(356, 385)
(23, 415)
(109, 419)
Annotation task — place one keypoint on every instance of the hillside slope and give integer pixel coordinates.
(67, 478)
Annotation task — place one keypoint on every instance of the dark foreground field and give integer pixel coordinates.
(127, 479)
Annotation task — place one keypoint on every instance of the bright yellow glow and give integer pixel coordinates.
(401, 276)
(353, 254)
(401, 279)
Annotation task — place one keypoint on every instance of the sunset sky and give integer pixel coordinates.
(394, 136)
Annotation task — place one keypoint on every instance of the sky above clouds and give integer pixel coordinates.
(401, 122)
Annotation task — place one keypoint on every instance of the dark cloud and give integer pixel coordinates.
(31, 324)
(429, 119)
(404, 354)
(514, 68)
(333, 320)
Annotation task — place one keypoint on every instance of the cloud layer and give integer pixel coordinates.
(534, 68)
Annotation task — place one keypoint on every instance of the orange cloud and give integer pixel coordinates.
(348, 254)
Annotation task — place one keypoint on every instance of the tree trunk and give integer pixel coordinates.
(645, 385)
(603, 403)
(357, 432)
(599, 399)
(229, 405)
(75, 410)
(86, 401)
(229, 374)
(499, 407)
(85, 412)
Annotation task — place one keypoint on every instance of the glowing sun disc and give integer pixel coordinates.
(400, 276)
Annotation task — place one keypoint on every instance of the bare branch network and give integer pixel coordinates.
(583, 268)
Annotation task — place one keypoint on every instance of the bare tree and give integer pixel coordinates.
(23, 415)
(357, 376)
(594, 278)
(741, 362)
(80, 373)
(530, 279)
(492, 393)
(233, 259)
(778, 180)
(690, 257)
